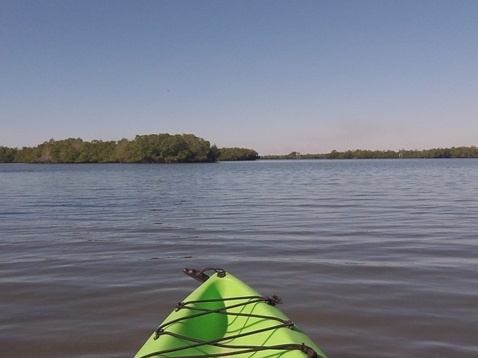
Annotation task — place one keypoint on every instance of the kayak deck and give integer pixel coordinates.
(226, 317)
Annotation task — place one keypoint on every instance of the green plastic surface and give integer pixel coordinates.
(216, 326)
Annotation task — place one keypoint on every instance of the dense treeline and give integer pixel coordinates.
(232, 154)
(454, 152)
(153, 148)
(187, 148)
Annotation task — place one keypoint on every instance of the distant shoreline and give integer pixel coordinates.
(435, 153)
(188, 148)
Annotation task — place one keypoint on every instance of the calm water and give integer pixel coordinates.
(371, 258)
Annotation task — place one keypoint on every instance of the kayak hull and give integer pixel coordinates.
(226, 317)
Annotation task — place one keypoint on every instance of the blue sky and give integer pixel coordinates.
(275, 76)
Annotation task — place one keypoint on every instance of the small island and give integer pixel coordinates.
(151, 148)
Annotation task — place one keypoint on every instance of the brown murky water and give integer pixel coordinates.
(371, 258)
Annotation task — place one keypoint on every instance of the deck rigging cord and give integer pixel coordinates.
(228, 304)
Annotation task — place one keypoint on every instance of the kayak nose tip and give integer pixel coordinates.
(195, 274)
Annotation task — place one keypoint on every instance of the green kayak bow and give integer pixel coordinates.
(225, 317)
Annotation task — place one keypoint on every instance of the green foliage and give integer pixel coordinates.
(7, 155)
(187, 148)
(152, 148)
(234, 154)
(166, 148)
